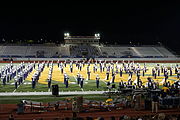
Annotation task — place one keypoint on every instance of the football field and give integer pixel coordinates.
(89, 85)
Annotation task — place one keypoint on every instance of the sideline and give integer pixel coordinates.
(50, 93)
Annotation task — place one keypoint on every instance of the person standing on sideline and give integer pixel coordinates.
(155, 100)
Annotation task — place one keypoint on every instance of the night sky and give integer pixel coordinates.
(117, 22)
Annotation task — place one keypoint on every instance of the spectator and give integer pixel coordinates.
(155, 100)
(165, 90)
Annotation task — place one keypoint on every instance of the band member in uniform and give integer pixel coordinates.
(120, 71)
(138, 77)
(82, 81)
(49, 83)
(67, 81)
(65, 63)
(33, 83)
(113, 77)
(71, 68)
(178, 73)
(78, 78)
(97, 81)
(16, 84)
(107, 75)
(62, 69)
(89, 74)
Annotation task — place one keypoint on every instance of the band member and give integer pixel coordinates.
(178, 73)
(62, 69)
(120, 71)
(89, 74)
(16, 84)
(138, 77)
(71, 68)
(78, 78)
(97, 81)
(67, 82)
(113, 77)
(49, 83)
(107, 75)
(81, 81)
(33, 83)
(65, 63)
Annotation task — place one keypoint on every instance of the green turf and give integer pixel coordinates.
(39, 88)
(7, 88)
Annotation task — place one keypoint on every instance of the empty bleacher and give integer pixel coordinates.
(30, 51)
(146, 51)
(165, 52)
(84, 51)
(117, 51)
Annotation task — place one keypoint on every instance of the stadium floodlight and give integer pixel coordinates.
(66, 34)
(97, 35)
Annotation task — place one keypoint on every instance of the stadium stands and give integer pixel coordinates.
(146, 52)
(117, 51)
(33, 51)
(84, 50)
(78, 51)
(164, 51)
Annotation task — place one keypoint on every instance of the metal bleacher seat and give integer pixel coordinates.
(164, 51)
(148, 51)
(14, 50)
